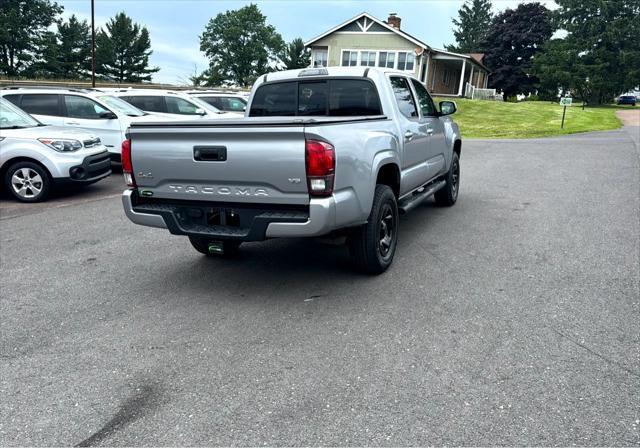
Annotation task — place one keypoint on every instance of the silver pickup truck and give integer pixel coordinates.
(331, 151)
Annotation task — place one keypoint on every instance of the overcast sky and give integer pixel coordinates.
(175, 25)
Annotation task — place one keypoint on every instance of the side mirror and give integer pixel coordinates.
(108, 115)
(448, 108)
(201, 111)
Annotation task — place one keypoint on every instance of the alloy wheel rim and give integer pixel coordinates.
(27, 183)
(387, 231)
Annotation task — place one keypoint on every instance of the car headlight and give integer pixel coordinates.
(61, 145)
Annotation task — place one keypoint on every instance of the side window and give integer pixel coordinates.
(404, 98)
(214, 101)
(40, 104)
(234, 104)
(275, 100)
(146, 103)
(81, 107)
(424, 99)
(180, 106)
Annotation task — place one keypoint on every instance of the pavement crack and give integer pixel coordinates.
(132, 409)
(599, 355)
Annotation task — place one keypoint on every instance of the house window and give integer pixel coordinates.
(349, 58)
(319, 57)
(446, 77)
(387, 59)
(368, 58)
(406, 60)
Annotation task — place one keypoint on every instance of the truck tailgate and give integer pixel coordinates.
(232, 162)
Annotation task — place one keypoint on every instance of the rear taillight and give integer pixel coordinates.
(321, 167)
(127, 167)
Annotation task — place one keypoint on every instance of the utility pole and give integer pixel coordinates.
(93, 44)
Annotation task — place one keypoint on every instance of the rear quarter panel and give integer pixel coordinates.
(361, 149)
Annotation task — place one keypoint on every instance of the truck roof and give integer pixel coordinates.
(327, 71)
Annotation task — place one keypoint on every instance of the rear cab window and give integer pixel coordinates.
(326, 97)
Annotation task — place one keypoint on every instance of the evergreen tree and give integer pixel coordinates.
(240, 46)
(514, 38)
(474, 19)
(74, 49)
(295, 55)
(123, 50)
(24, 31)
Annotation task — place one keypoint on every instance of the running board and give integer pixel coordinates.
(418, 196)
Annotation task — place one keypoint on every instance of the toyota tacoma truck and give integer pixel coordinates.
(329, 151)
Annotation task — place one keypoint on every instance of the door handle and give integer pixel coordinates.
(210, 153)
(429, 131)
(408, 135)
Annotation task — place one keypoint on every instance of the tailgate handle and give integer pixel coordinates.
(210, 153)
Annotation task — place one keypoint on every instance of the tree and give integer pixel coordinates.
(74, 49)
(514, 38)
(474, 19)
(295, 55)
(123, 50)
(602, 48)
(240, 46)
(23, 32)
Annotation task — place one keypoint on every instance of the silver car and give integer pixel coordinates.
(35, 158)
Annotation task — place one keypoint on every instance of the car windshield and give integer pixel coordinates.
(121, 106)
(11, 117)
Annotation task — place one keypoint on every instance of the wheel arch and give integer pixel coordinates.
(7, 164)
(457, 147)
(389, 174)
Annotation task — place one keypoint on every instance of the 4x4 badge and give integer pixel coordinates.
(294, 180)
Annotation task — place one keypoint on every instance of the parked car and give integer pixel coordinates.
(228, 102)
(35, 158)
(627, 99)
(172, 104)
(100, 113)
(330, 151)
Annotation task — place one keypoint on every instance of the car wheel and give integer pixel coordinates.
(28, 182)
(373, 245)
(448, 195)
(213, 248)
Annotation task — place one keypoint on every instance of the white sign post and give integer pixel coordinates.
(565, 101)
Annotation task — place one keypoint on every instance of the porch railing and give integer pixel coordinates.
(476, 93)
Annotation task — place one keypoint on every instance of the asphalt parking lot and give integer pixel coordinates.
(512, 318)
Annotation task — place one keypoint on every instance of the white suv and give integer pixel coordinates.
(98, 112)
(174, 104)
(35, 158)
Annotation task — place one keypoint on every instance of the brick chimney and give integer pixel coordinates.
(394, 20)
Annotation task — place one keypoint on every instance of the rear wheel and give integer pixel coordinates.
(28, 182)
(448, 195)
(373, 245)
(213, 248)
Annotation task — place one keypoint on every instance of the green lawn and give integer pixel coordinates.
(496, 119)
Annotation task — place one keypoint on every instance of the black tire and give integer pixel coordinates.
(229, 248)
(28, 182)
(448, 195)
(373, 245)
